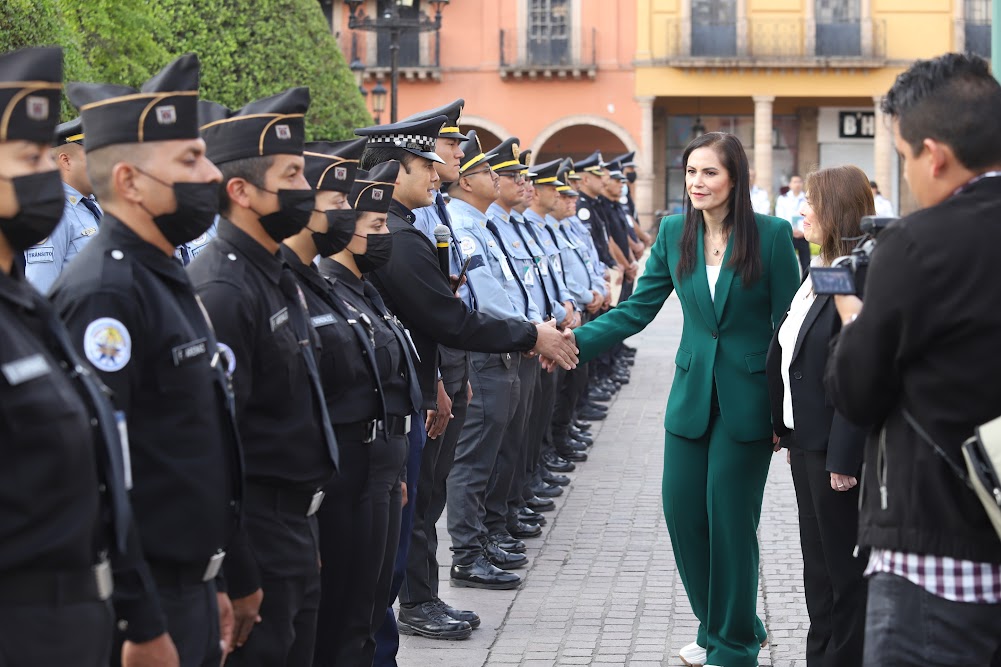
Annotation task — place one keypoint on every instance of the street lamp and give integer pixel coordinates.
(358, 68)
(391, 23)
(378, 101)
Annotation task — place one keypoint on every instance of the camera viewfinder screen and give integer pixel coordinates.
(832, 280)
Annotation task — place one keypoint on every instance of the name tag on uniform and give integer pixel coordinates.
(279, 319)
(123, 439)
(39, 255)
(322, 320)
(506, 269)
(557, 264)
(529, 276)
(544, 267)
(185, 353)
(20, 371)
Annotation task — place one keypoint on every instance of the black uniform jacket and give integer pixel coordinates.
(595, 221)
(132, 312)
(414, 288)
(819, 427)
(926, 341)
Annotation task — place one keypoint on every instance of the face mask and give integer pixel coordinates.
(41, 200)
(631, 177)
(377, 252)
(295, 207)
(197, 206)
(340, 229)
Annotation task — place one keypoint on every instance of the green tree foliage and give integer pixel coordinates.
(248, 48)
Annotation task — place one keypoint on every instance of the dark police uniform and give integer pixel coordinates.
(63, 502)
(133, 314)
(289, 449)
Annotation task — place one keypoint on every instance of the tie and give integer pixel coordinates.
(297, 317)
(439, 204)
(524, 292)
(182, 250)
(538, 273)
(92, 207)
(415, 391)
(110, 454)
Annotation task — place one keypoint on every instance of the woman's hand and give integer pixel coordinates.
(776, 442)
(843, 482)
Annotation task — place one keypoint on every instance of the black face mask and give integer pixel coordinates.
(41, 201)
(379, 248)
(340, 229)
(295, 207)
(197, 206)
(631, 177)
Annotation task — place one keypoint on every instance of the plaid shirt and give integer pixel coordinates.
(956, 580)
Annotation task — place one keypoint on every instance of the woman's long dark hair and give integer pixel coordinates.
(746, 256)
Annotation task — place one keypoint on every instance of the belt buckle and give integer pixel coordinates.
(314, 504)
(215, 564)
(105, 582)
(406, 425)
(373, 427)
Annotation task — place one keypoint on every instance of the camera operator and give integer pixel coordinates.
(924, 351)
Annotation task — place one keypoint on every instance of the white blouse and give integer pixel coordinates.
(712, 274)
(788, 335)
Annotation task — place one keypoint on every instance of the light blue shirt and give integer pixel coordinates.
(578, 231)
(45, 260)
(554, 276)
(426, 219)
(576, 275)
(192, 248)
(523, 259)
(488, 269)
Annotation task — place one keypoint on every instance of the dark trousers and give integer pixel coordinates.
(359, 534)
(802, 247)
(539, 419)
(832, 575)
(387, 637)
(626, 291)
(71, 634)
(493, 378)
(503, 499)
(908, 626)
(286, 546)
(420, 581)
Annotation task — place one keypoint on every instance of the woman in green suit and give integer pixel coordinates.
(735, 273)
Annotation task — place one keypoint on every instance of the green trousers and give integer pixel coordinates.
(713, 489)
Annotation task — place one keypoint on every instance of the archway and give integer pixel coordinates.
(489, 132)
(579, 136)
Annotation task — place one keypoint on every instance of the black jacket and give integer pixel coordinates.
(819, 427)
(927, 340)
(414, 288)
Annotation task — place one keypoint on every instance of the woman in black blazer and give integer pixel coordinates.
(825, 450)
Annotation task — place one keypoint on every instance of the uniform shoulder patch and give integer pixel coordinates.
(468, 245)
(584, 213)
(107, 344)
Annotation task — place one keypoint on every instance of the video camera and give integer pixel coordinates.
(846, 275)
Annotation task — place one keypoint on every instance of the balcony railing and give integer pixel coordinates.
(776, 42)
(549, 58)
(419, 58)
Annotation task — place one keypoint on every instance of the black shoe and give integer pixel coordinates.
(574, 444)
(531, 517)
(628, 349)
(458, 614)
(591, 414)
(556, 464)
(508, 543)
(621, 378)
(428, 620)
(571, 454)
(482, 574)
(502, 559)
(553, 478)
(545, 490)
(592, 406)
(599, 396)
(540, 504)
(582, 438)
(524, 531)
(584, 426)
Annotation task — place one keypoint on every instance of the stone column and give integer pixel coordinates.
(882, 159)
(763, 142)
(644, 163)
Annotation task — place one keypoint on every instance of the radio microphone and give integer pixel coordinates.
(443, 238)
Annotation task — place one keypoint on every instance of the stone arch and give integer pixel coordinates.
(566, 122)
(490, 133)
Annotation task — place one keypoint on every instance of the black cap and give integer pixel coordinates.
(31, 81)
(592, 163)
(452, 111)
(614, 168)
(504, 158)
(70, 132)
(626, 159)
(164, 109)
(546, 174)
(274, 125)
(331, 165)
(373, 189)
(474, 156)
(414, 136)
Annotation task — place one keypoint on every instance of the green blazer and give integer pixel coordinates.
(727, 339)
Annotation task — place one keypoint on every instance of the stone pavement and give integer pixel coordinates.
(602, 587)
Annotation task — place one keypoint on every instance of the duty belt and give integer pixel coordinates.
(366, 431)
(51, 587)
(294, 501)
(174, 576)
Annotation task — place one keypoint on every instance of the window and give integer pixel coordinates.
(549, 32)
(978, 26)
(714, 28)
(410, 44)
(838, 28)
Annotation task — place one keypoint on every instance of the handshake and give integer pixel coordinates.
(555, 347)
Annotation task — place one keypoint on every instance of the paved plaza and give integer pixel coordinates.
(601, 587)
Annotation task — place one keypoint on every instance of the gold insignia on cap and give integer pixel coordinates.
(515, 151)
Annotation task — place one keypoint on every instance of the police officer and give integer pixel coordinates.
(371, 391)
(260, 315)
(62, 488)
(45, 260)
(133, 313)
(618, 225)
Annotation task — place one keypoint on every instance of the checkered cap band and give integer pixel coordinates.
(415, 142)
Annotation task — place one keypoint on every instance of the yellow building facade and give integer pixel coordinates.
(799, 81)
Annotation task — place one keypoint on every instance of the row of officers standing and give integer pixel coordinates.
(247, 399)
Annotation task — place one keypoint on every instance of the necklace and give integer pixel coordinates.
(715, 246)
